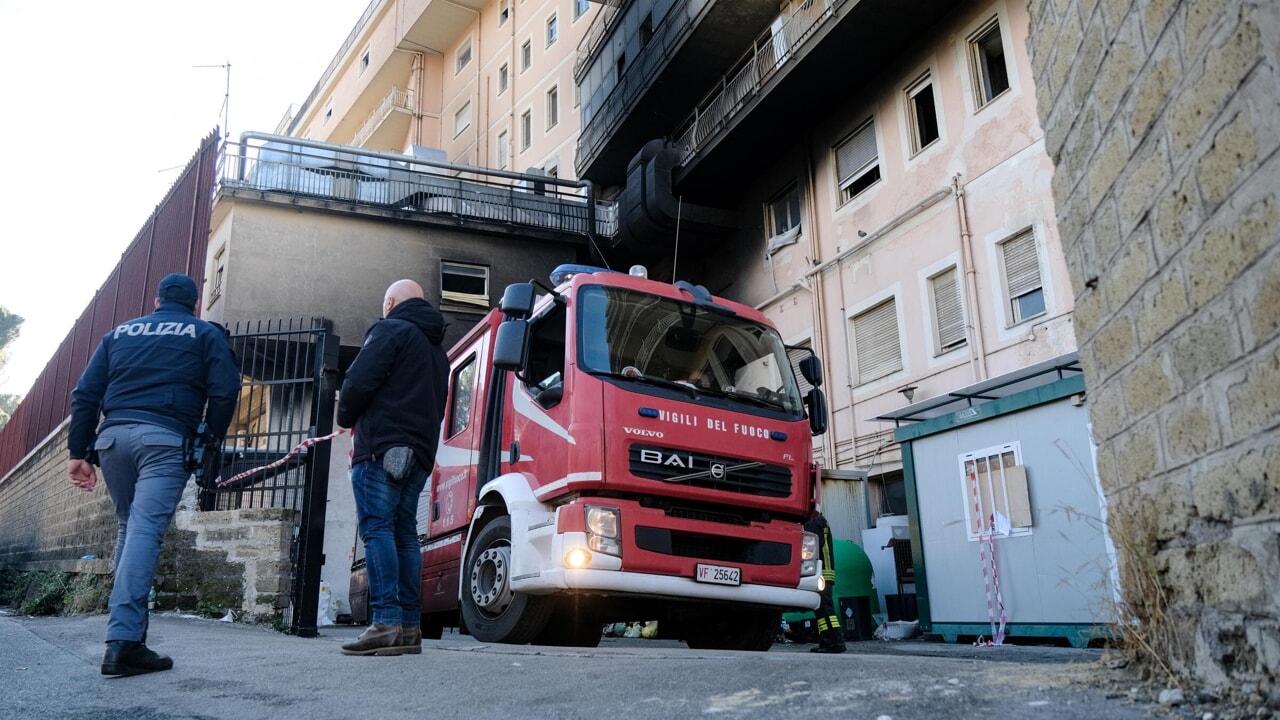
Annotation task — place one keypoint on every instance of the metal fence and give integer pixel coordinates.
(288, 372)
(405, 183)
(280, 406)
(173, 239)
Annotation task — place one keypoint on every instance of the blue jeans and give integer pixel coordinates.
(387, 514)
(144, 473)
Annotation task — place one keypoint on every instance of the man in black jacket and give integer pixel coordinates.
(153, 380)
(394, 396)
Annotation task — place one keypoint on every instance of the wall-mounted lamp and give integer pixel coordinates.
(908, 392)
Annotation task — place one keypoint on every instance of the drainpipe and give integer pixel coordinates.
(818, 297)
(978, 355)
(415, 87)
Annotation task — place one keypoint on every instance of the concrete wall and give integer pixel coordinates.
(1163, 121)
(283, 261)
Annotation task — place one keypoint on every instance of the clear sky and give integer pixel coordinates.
(101, 104)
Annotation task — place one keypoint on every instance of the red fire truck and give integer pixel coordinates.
(621, 449)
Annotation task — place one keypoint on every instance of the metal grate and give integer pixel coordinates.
(715, 472)
(712, 547)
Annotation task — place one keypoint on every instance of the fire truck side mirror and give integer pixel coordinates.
(511, 346)
(817, 402)
(811, 369)
(517, 300)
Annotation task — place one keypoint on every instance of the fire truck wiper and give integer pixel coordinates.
(649, 380)
(757, 401)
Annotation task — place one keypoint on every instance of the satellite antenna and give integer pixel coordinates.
(225, 112)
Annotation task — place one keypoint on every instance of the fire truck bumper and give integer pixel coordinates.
(615, 582)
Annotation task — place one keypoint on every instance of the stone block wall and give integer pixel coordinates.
(1163, 122)
(45, 523)
(237, 559)
(252, 545)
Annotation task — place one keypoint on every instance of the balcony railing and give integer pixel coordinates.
(390, 181)
(766, 56)
(596, 33)
(396, 101)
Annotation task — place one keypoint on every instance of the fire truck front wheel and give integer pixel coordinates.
(492, 611)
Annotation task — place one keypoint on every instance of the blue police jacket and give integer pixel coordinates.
(163, 368)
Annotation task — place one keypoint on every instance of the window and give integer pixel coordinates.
(504, 150)
(465, 287)
(783, 211)
(552, 168)
(987, 64)
(553, 30)
(526, 55)
(504, 78)
(553, 107)
(877, 350)
(462, 390)
(858, 161)
(504, 12)
(948, 311)
(646, 30)
(215, 290)
(526, 129)
(364, 61)
(995, 492)
(328, 112)
(922, 114)
(620, 66)
(462, 119)
(580, 8)
(577, 95)
(544, 373)
(1024, 290)
(464, 56)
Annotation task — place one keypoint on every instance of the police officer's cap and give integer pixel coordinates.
(176, 287)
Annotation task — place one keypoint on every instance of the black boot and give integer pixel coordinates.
(130, 657)
(830, 643)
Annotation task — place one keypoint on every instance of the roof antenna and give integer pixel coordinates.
(676, 255)
(226, 98)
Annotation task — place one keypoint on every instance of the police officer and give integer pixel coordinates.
(830, 636)
(153, 380)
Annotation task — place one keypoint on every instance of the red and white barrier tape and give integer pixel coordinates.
(296, 449)
(987, 556)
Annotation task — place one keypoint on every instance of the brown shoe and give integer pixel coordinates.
(376, 640)
(411, 639)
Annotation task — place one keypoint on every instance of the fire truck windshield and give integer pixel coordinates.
(669, 343)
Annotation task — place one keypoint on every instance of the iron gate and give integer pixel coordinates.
(288, 371)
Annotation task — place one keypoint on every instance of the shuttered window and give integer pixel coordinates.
(876, 346)
(857, 161)
(1022, 276)
(948, 312)
(464, 285)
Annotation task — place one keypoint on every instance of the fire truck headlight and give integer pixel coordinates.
(808, 554)
(809, 546)
(602, 521)
(577, 558)
(608, 546)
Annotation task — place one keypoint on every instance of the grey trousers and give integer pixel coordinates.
(143, 469)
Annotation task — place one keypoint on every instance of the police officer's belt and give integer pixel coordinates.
(120, 417)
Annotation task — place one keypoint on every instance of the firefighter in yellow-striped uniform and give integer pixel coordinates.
(830, 634)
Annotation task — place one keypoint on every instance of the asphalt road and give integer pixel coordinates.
(49, 668)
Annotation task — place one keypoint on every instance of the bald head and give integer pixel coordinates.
(400, 291)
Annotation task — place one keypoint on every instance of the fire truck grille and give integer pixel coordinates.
(714, 472)
(712, 547)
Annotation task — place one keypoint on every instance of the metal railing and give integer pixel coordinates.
(607, 107)
(596, 33)
(770, 51)
(391, 181)
(396, 101)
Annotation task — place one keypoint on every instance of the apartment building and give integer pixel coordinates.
(872, 175)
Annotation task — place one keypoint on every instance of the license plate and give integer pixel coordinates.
(718, 574)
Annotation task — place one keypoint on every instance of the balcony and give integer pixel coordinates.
(785, 80)
(689, 49)
(389, 124)
(277, 168)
